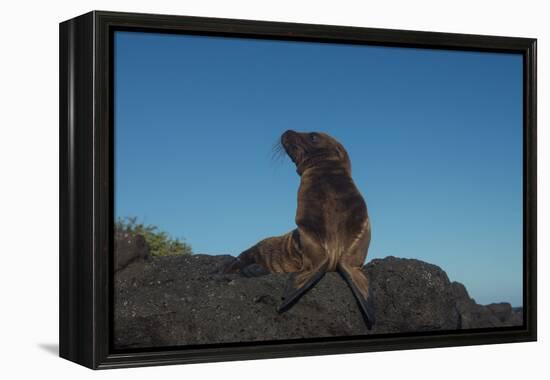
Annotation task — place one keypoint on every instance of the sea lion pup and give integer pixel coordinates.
(333, 228)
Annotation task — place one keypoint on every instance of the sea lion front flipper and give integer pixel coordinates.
(244, 268)
(293, 294)
(254, 270)
(233, 266)
(240, 263)
(351, 276)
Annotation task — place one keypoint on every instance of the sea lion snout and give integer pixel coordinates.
(291, 144)
(287, 135)
(289, 139)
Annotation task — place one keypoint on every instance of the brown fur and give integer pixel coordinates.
(333, 228)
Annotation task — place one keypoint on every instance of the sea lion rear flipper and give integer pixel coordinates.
(365, 303)
(293, 294)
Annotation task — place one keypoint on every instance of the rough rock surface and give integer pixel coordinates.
(183, 300)
(129, 248)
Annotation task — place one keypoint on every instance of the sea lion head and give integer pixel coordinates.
(314, 149)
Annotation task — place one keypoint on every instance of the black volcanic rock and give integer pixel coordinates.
(183, 300)
(129, 248)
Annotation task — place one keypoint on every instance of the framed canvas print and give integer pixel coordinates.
(235, 189)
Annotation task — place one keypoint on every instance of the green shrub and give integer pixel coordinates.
(160, 243)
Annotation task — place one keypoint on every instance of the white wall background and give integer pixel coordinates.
(29, 186)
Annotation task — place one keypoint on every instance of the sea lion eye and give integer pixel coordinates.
(314, 137)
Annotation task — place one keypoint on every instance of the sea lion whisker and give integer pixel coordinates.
(277, 144)
(277, 151)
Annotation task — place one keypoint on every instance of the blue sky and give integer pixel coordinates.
(435, 139)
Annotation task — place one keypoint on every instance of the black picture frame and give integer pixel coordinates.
(86, 187)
